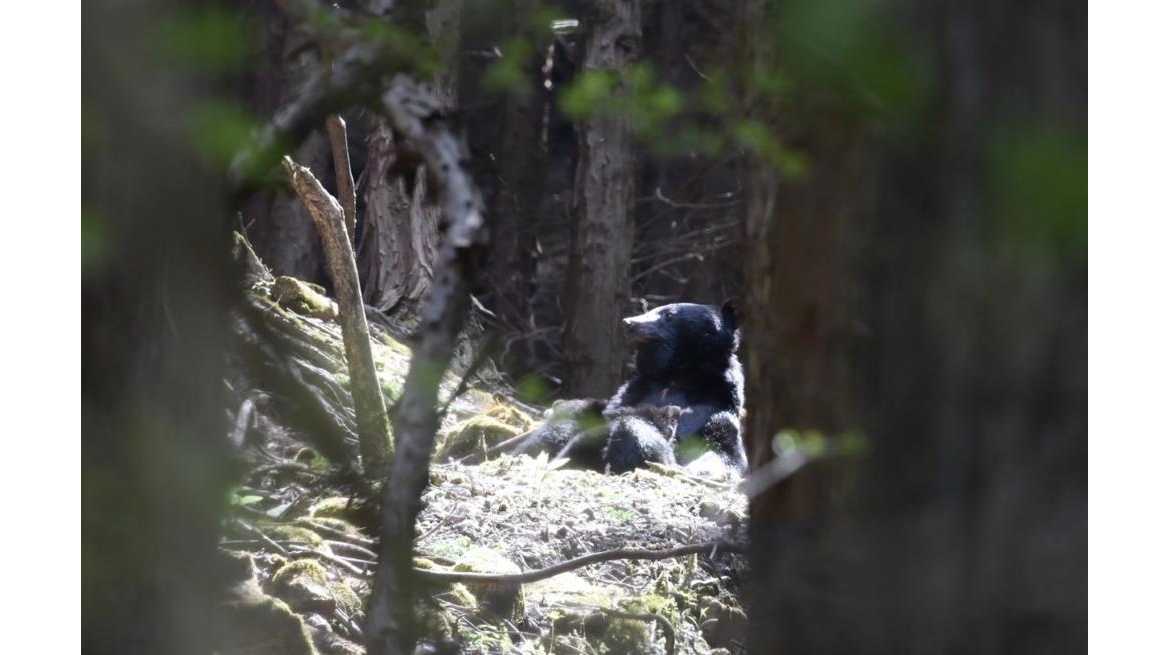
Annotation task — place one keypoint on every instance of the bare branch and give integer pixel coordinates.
(711, 547)
(369, 405)
(418, 115)
(338, 141)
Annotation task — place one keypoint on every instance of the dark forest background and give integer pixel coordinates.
(895, 192)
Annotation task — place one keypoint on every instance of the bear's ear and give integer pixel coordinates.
(730, 314)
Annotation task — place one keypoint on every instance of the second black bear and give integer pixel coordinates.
(638, 435)
(574, 429)
(686, 356)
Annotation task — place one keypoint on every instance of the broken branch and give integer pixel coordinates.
(339, 143)
(369, 405)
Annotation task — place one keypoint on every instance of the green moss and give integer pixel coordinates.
(309, 568)
(303, 298)
(626, 635)
(330, 523)
(255, 622)
(505, 600)
(461, 596)
(509, 414)
(433, 623)
(286, 532)
(473, 434)
(648, 604)
(333, 507)
(347, 599)
(311, 458)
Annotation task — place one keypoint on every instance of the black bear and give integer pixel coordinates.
(638, 435)
(574, 429)
(686, 357)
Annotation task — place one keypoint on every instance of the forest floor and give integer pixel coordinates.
(303, 543)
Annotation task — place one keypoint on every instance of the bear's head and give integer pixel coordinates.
(683, 337)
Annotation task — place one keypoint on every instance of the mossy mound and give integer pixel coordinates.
(335, 507)
(303, 298)
(475, 434)
(330, 527)
(256, 623)
(310, 568)
(305, 583)
(293, 533)
(500, 599)
(507, 413)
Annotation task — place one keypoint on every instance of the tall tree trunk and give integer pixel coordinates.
(420, 117)
(401, 228)
(278, 225)
(391, 268)
(154, 296)
(921, 320)
(522, 161)
(598, 279)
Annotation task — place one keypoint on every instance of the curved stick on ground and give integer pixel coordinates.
(711, 547)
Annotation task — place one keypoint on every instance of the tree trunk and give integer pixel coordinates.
(522, 161)
(419, 117)
(598, 280)
(155, 290)
(401, 230)
(277, 224)
(391, 267)
(918, 320)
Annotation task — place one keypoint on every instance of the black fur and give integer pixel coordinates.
(574, 429)
(639, 435)
(686, 357)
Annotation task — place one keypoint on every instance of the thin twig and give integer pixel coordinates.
(296, 467)
(661, 265)
(340, 535)
(340, 561)
(420, 117)
(692, 205)
(476, 457)
(481, 358)
(263, 537)
(243, 420)
(345, 545)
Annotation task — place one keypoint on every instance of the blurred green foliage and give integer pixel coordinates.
(509, 73)
(634, 94)
(211, 39)
(534, 389)
(814, 444)
(1039, 186)
(399, 47)
(845, 48)
(94, 240)
(759, 139)
(220, 130)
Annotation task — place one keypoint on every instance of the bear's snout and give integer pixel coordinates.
(639, 328)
